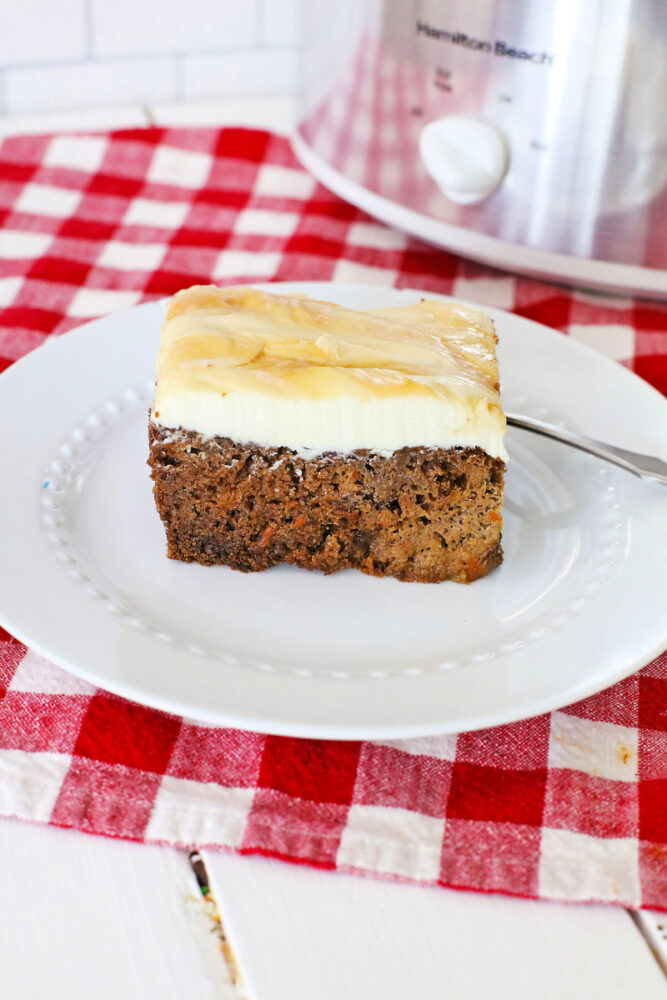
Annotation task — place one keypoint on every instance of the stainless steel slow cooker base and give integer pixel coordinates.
(530, 136)
(576, 271)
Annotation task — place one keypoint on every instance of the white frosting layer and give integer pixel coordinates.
(313, 377)
(342, 424)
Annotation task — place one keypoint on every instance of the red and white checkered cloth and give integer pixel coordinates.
(571, 805)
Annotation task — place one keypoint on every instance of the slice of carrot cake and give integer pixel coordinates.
(290, 430)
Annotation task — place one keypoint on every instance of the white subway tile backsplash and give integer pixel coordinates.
(61, 55)
(273, 113)
(278, 21)
(89, 84)
(138, 27)
(42, 31)
(258, 71)
(79, 120)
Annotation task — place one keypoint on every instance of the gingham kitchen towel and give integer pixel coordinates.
(571, 805)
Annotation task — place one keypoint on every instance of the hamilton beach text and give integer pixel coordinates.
(497, 47)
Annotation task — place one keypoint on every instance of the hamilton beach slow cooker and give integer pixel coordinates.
(528, 134)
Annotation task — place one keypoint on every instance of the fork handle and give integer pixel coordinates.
(644, 466)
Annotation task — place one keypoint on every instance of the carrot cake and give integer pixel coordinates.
(288, 430)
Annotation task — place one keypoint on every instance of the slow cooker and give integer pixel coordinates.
(527, 134)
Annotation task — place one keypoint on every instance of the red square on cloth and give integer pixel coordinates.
(129, 156)
(585, 803)
(87, 229)
(230, 757)
(152, 136)
(319, 770)
(106, 798)
(112, 184)
(11, 653)
(33, 318)
(165, 282)
(207, 226)
(24, 150)
(652, 754)
(389, 777)
(499, 857)
(60, 270)
(120, 732)
(653, 704)
(305, 267)
(243, 144)
(295, 829)
(36, 722)
(653, 811)
(417, 270)
(235, 176)
(552, 310)
(651, 368)
(507, 747)
(495, 795)
(618, 704)
(653, 874)
(188, 260)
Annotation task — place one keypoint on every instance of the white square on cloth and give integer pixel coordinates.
(385, 839)
(574, 866)
(180, 167)
(90, 302)
(78, 152)
(17, 245)
(264, 222)
(132, 256)
(351, 271)
(43, 199)
(39, 676)
(498, 292)
(30, 783)
(238, 263)
(199, 813)
(283, 182)
(9, 289)
(441, 747)
(370, 234)
(601, 749)
(158, 214)
(613, 339)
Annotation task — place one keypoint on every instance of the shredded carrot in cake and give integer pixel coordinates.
(266, 535)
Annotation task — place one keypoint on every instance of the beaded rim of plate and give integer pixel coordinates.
(65, 466)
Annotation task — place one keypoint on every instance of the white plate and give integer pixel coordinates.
(579, 602)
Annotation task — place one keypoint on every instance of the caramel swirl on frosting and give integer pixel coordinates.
(239, 361)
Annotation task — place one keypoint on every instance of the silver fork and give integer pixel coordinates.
(644, 466)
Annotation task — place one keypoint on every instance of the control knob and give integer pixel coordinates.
(466, 156)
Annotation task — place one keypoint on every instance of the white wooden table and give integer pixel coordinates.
(84, 916)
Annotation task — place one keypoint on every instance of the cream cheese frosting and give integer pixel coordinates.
(286, 370)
